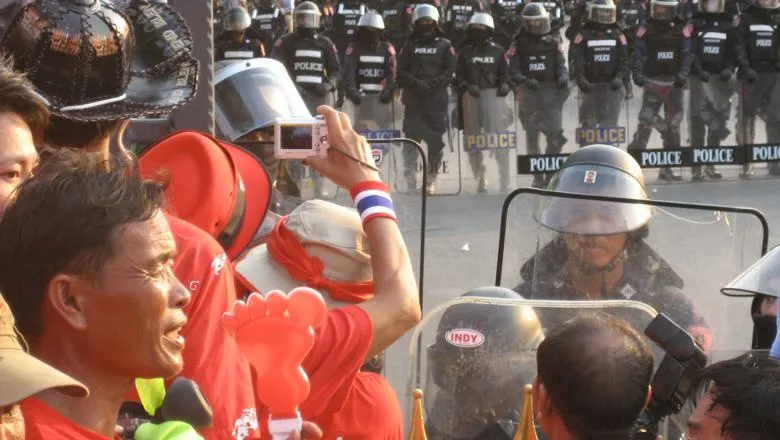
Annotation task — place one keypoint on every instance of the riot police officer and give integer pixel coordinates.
(662, 62)
(477, 391)
(269, 21)
(506, 14)
(346, 15)
(631, 13)
(426, 66)
(328, 10)
(310, 58)
(756, 41)
(482, 68)
(369, 67)
(236, 41)
(557, 14)
(538, 69)
(711, 89)
(601, 59)
(396, 28)
(412, 5)
(457, 16)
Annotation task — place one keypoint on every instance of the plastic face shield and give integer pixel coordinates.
(712, 6)
(594, 217)
(602, 14)
(663, 10)
(537, 25)
(762, 278)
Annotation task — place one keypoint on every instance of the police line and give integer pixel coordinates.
(669, 157)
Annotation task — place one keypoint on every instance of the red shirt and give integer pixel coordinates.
(343, 401)
(41, 422)
(211, 357)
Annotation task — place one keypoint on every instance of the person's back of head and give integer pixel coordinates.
(738, 399)
(593, 381)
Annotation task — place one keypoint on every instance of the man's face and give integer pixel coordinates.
(706, 424)
(17, 155)
(133, 308)
(595, 250)
(11, 423)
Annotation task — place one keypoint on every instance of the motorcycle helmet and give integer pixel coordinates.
(712, 6)
(536, 19)
(371, 20)
(664, 10)
(236, 20)
(307, 16)
(425, 12)
(600, 170)
(602, 11)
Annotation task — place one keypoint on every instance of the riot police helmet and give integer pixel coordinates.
(425, 12)
(484, 353)
(236, 20)
(712, 6)
(536, 19)
(602, 11)
(482, 19)
(307, 15)
(664, 10)
(767, 4)
(596, 170)
(371, 20)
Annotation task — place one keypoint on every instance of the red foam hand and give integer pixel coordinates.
(275, 334)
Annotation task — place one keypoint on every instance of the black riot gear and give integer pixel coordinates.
(346, 15)
(370, 62)
(307, 15)
(536, 19)
(269, 22)
(507, 17)
(556, 10)
(457, 16)
(238, 40)
(662, 63)
(482, 357)
(602, 12)
(663, 10)
(426, 66)
(396, 27)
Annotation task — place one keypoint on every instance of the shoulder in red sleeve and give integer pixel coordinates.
(578, 39)
(622, 39)
(736, 20)
(687, 30)
(560, 47)
(278, 43)
(390, 49)
(511, 52)
(409, 10)
(452, 50)
(641, 31)
(333, 48)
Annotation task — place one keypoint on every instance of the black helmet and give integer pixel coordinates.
(482, 357)
(663, 10)
(602, 11)
(536, 19)
(236, 20)
(601, 170)
(89, 61)
(307, 16)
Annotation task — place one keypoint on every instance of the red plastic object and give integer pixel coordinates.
(275, 334)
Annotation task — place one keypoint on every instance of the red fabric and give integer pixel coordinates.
(368, 185)
(333, 365)
(372, 411)
(285, 249)
(211, 357)
(41, 422)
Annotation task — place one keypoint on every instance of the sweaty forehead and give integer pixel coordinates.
(147, 239)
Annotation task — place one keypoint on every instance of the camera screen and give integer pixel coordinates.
(296, 137)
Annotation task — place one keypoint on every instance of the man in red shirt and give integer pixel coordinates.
(90, 107)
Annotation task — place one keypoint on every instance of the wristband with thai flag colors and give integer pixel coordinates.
(372, 199)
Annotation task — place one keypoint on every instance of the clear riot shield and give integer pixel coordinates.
(673, 256)
(449, 169)
(603, 117)
(758, 125)
(488, 137)
(472, 357)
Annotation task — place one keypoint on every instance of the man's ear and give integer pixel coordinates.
(649, 396)
(542, 404)
(63, 293)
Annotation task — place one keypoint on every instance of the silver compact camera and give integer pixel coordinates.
(299, 138)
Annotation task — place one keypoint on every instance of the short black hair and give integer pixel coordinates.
(17, 96)
(748, 386)
(64, 220)
(596, 369)
(68, 133)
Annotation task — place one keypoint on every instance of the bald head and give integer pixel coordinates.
(596, 370)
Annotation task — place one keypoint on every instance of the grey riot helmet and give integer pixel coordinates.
(236, 20)
(664, 10)
(482, 18)
(307, 15)
(371, 20)
(602, 11)
(536, 19)
(425, 12)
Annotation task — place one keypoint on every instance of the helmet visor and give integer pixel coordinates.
(248, 97)
(603, 14)
(762, 278)
(306, 19)
(712, 6)
(594, 217)
(663, 10)
(537, 25)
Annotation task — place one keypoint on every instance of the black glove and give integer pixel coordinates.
(750, 75)
(353, 95)
(584, 85)
(639, 80)
(473, 90)
(531, 84)
(503, 90)
(563, 82)
(386, 95)
(680, 80)
(422, 87)
(704, 76)
(616, 84)
(725, 74)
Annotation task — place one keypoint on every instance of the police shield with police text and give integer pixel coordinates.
(538, 69)
(757, 59)
(426, 66)
(238, 40)
(662, 61)
(600, 53)
(269, 22)
(711, 87)
(482, 76)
